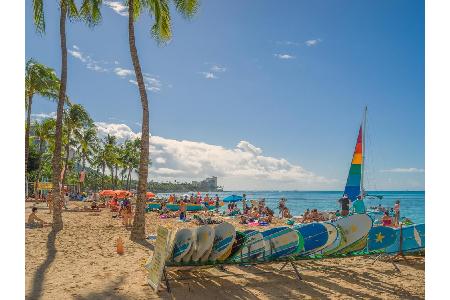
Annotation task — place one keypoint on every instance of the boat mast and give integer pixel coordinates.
(363, 151)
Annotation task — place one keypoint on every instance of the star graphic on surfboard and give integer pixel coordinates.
(379, 238)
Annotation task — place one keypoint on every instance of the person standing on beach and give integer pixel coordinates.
(183, 211)
(244, 203)
(397, 212)
(358, 206)
(345, 204)
(217, 203)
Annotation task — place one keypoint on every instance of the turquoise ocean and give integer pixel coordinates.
(412, 203)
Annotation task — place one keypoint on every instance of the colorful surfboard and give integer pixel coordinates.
(237, 246)
(352, 229)
(380, 237)
(315, 236)
(413, 239)
(253, 247)
(282, 241)
(204, 241)
(225, 234)
(182, 244)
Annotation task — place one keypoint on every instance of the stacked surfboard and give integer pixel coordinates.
(346, 236)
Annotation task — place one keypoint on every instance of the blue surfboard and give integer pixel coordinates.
(380, 237)
(315, 236)
(413, 239)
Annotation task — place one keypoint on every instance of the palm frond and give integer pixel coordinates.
(187, 8)
(161, 29)
(38, 15)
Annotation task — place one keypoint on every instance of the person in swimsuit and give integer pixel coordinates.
(397, 212)
(34, 221)
(386, 220)
(345, 205)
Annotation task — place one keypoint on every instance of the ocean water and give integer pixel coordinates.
(412, 203)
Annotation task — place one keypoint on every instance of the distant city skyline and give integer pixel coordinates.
(266, 96)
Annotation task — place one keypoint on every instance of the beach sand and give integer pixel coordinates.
(80, 262)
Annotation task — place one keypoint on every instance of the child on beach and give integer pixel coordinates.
(182, 211)
(34, 221)
(127, 215)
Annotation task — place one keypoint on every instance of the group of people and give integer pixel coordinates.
(123, 208)
(257, 212)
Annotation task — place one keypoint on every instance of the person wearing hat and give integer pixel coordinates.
(345, 205)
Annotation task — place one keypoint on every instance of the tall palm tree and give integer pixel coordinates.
(90, 13)
(161, 31)
(42, 80)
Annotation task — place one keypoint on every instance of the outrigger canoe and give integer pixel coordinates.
(176, 207)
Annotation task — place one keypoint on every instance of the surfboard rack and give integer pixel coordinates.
(294, 267)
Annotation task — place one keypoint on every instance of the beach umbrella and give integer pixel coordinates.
(150, 195)
(232, 198)
(122, 194)
(107, 193)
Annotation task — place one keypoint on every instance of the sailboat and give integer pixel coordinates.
(355, 180)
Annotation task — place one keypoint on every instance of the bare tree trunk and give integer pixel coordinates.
(27, 132)
(138, 230)
(56, 160)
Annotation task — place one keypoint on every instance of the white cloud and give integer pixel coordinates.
(209, 75)
(41, 116)
(121, 131)
(240, 167)
(77, 54)
(90, 63)
(287, 43)
(123, 72)
(403, 170)
(284, 56)
(216, 68)
(314, 42)
(118, 7)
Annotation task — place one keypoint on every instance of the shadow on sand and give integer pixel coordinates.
(39, 276)
(259, 281)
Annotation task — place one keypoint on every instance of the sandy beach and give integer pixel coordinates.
(80, 262)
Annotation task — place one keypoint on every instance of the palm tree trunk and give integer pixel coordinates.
(27, 132)
(38, 176)
(56, 160)
(138, 230)
(128, 179)
(66, 160)
(103, 177)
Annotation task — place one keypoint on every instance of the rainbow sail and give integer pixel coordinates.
(353, 188)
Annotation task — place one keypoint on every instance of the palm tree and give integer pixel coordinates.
(90, 13)
(42, 80)
(76, 119)
(87, 140)
(161, 31)
(43, 132)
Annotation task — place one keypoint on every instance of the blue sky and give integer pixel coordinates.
(289, 78)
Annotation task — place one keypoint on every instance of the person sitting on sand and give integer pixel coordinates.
(286, 213)
(306, 214)
(386, 220)
(34, 221)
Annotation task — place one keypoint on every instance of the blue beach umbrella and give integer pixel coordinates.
(232, 198)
